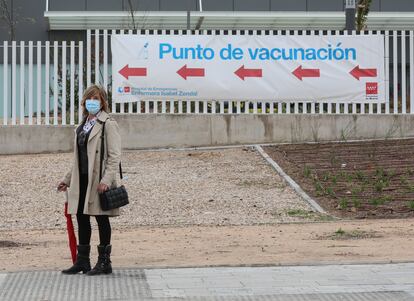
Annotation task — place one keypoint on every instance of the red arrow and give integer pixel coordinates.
(185, 72)
(300, 73)
(358, 72)
(242, 72)
(127, 72)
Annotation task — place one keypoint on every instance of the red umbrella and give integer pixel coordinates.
(71, 231)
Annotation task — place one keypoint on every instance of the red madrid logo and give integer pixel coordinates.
(371, 88)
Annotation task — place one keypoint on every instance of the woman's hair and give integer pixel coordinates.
(95, 90)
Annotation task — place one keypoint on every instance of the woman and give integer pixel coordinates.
(85, 185)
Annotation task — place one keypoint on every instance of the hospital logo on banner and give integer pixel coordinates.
(371, 90)
(124, 90)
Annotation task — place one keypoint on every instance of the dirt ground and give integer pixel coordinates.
(370, 179)
(170, 187)
(358, 241)
(253, 217)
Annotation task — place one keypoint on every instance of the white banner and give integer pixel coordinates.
(279, 68)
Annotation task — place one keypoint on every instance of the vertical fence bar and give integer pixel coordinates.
(370, 104)
(80, 78)
(30, 88)
(113, 109)
(205, 106)
(172, 110)
(72, 83)
(163, 101)
(411, 49)
(88, 58)
(97, 77)
(337, 104)
(196, 106)
(130, 105)
(5, 81)
(313, 110)
(188, 32)
(188, 106)
(55, 82)
(280, 103)
(403, 75)
(387, 72)
(105, 59)
(395, 70)
(22, 83)
(13, 91)
(246, 107)
(154, 107)
(47, 81)
(39, 82)
(379, 105)
(122, 105)
(63, 102)
(296, 104)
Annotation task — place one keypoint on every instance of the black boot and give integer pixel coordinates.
(103, 266)
(82, 263)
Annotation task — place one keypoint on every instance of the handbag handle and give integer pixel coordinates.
(102, 154)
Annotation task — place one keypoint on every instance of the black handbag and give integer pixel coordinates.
(115, 197)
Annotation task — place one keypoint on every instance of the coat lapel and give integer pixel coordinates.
(98, 126)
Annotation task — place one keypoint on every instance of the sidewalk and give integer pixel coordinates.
(334, 282)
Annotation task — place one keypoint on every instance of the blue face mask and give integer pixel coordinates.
(93, 106)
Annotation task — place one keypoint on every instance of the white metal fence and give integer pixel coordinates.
(42, 83)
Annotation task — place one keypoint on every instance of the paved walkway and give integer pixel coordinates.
(334, 282)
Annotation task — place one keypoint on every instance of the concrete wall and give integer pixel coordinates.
(162, 131)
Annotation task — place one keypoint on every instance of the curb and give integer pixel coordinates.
(290, 181)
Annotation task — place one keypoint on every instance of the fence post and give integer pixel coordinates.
(30, 90)
(22, 66)
(39, 82)
(5, 81)
(63, 102)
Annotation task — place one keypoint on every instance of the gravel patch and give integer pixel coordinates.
(200, 187)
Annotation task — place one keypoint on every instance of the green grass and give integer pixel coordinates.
(381, 184)
(379, 200)
(319, 188)
(307, 172)
(334, 179)
(330, 191)
(403, 180)
(356, 203)
(343, 203)
(339, 232)
(359, 175)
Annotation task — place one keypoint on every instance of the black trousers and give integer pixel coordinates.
(84, 222)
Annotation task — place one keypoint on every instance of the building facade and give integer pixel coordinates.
(43, 20)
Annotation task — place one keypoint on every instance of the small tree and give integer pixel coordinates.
(11, 18)
(132, 14)
(6, 16)
(362, 14)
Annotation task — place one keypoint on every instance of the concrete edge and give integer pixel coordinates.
(254, 265)
(234, 146)
(290, 181)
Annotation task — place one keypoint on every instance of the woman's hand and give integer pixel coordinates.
(102, 187)
(62, 186)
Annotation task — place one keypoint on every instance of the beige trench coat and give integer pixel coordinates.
(110, 167)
